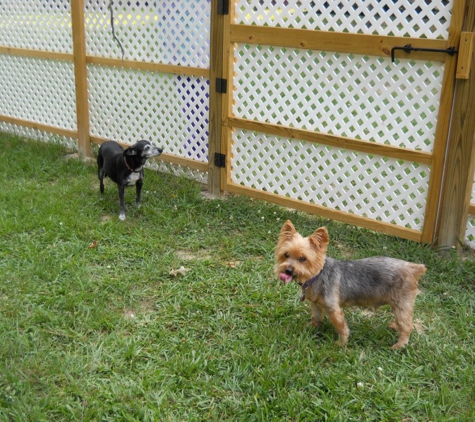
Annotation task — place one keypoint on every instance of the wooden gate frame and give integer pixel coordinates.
(444, 172)
(460, 161)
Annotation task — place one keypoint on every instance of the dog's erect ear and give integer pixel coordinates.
(130, 151)
(287, 231)
(319, 239)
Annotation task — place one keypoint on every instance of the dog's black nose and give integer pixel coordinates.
(289, 271)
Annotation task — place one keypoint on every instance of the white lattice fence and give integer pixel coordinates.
(348, 95)
(402, 18)
(342, 94)
(470, 229)
(375, 187)
(167, 109)
(125, 104)
(36, 24)
(172, 32)
(33, 89)
(171, 110)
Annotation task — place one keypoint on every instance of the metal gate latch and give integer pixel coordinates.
(408, 48)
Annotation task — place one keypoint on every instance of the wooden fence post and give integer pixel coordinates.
(460, 160)
(80, 76)
(215, 99)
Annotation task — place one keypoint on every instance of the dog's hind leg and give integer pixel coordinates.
(403, 312)
(100, 174)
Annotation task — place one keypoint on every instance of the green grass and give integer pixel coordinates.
(107, 334)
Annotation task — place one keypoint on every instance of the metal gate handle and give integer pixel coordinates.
(408, 48)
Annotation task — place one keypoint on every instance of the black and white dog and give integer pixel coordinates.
(124, 167)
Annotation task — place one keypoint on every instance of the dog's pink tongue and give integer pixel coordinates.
(285, 278)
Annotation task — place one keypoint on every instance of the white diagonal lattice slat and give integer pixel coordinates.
(36, 24)
(38, 90)
(170, 110)
(171, 32)
(470, 228)
(347, 95)
(380, 188)
(470, 232)
(402, 18)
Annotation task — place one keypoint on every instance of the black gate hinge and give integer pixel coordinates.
(221, 85)
(219, 160)
(223, 7)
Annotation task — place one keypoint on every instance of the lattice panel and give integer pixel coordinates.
(36, 24)
(171, 32)
(170, 110)
(470, 232)
(38, 90)
(354, 96)
(380, 188)
(470, 229)
(402, 18)
(179, 171)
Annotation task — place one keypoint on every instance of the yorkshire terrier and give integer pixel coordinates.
(330, 285)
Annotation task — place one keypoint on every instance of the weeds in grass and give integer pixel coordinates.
(94, 327)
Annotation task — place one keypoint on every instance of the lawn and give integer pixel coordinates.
(97, 324)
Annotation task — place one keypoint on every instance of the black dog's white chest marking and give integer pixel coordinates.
(132, 178)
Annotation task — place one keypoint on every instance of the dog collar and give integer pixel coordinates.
(127, 165)
(306, 285)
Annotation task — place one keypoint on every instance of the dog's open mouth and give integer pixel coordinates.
(286, 278)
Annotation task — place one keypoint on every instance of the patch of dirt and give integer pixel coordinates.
(193, 256)
(105, 218)
(75, 156)
(418, 325)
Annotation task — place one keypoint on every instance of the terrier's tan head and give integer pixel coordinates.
(300, 258)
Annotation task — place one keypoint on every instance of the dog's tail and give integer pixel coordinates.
(417, 270)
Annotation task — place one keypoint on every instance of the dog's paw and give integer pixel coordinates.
(399, 345)
(393, 325)
(122, 217)
(315, 322)
(341, 342)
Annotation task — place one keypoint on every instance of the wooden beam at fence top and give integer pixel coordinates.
(168, 158)
(382, 227)
(372, 45)
(460, 161)
(333, 140)
(36, 54)
(40, 126)
(150, 67)
(80, 77)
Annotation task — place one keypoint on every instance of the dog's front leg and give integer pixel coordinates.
(317, 314)
(337, 318)
(122, 202)
(138, 190)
